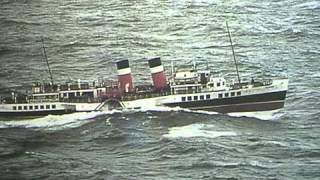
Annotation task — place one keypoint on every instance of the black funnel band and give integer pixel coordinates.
(154, 62)
(122, 64)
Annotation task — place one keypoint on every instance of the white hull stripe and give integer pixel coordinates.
(156, 69)
(124, 71)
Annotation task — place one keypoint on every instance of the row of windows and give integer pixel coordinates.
(195, 98)
(231, 94)
(53, 106)
(72, 94)
(218, 84)
(207, 96)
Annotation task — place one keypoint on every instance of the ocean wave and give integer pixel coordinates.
(196, 130)
(312, 153)
(263, 115)
(252, 163)
(264, 144)
(228, 164)
(7, 50)
(184, 3)
(80, 44)
(20, 22)
(309, 5)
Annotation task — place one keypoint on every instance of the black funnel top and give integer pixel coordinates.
(154, 62)
(122, 64)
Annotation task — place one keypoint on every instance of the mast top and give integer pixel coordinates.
(234, 56)
(47, 62)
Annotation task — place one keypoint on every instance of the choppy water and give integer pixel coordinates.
(85, 38)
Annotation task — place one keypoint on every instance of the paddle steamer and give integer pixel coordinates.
(186, 88)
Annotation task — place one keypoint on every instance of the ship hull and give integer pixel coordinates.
(247, 107)
(34, 113)
(248, 103)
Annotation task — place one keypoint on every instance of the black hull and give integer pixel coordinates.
(248, 103)
(250, 107)
(34, 113)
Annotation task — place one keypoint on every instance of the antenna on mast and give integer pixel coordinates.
(234, 56)
(46, 59)
(172, 69)
(207, 65)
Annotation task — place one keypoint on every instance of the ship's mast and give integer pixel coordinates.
(46, 59)
(234, 56)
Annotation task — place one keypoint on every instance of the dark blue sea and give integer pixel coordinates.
(84, 39)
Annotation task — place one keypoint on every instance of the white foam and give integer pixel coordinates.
(196, 130)
(309, 5)
(53, 122)
(201, 112)
(146, 107)
(160, 108)
(192, 2)
(263, 115)
(149, 107)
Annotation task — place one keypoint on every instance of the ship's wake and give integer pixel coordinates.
(262, 115)
(54, 122)
(196, 130)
